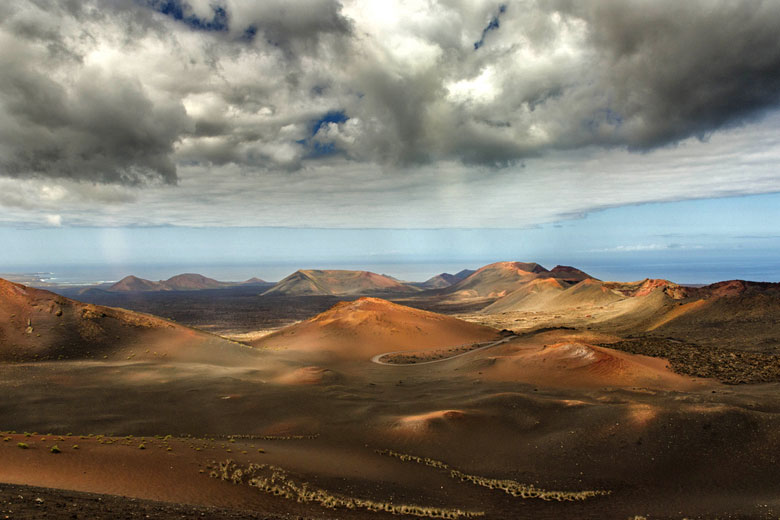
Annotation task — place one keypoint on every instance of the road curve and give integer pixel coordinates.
(377, 359)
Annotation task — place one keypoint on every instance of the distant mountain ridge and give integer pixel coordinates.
(180, 282)
(490, 281)
(335, 282)
(499, 279)
(443, 280)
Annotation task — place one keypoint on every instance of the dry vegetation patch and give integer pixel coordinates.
(276, 481)
(510, 487)
(726, 365)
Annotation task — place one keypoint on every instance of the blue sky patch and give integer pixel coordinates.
(319, 149)
(606, 115)
(250, 33)
(334, 116)
(491, 26)
(177, 10)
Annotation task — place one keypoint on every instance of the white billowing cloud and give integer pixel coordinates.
(480, 89)
(54, 220)
(399, 113)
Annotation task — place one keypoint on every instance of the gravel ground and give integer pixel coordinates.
(25, 502)
(726, 365)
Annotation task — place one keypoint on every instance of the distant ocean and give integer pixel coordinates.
(689, 272)
(95, 274)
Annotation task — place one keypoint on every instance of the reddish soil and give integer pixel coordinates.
(370, 326)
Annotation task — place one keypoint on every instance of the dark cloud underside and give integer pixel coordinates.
(127, 92)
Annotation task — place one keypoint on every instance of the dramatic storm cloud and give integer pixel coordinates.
(156, 97)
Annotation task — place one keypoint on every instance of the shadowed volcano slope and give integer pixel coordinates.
(37, 325)
(569, 274)
(440, 281)
(734, 314)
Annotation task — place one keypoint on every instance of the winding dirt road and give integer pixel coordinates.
(378, 358)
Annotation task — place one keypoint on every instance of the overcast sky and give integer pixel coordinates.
(118, 114)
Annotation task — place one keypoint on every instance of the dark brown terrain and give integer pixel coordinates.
(544, 394)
